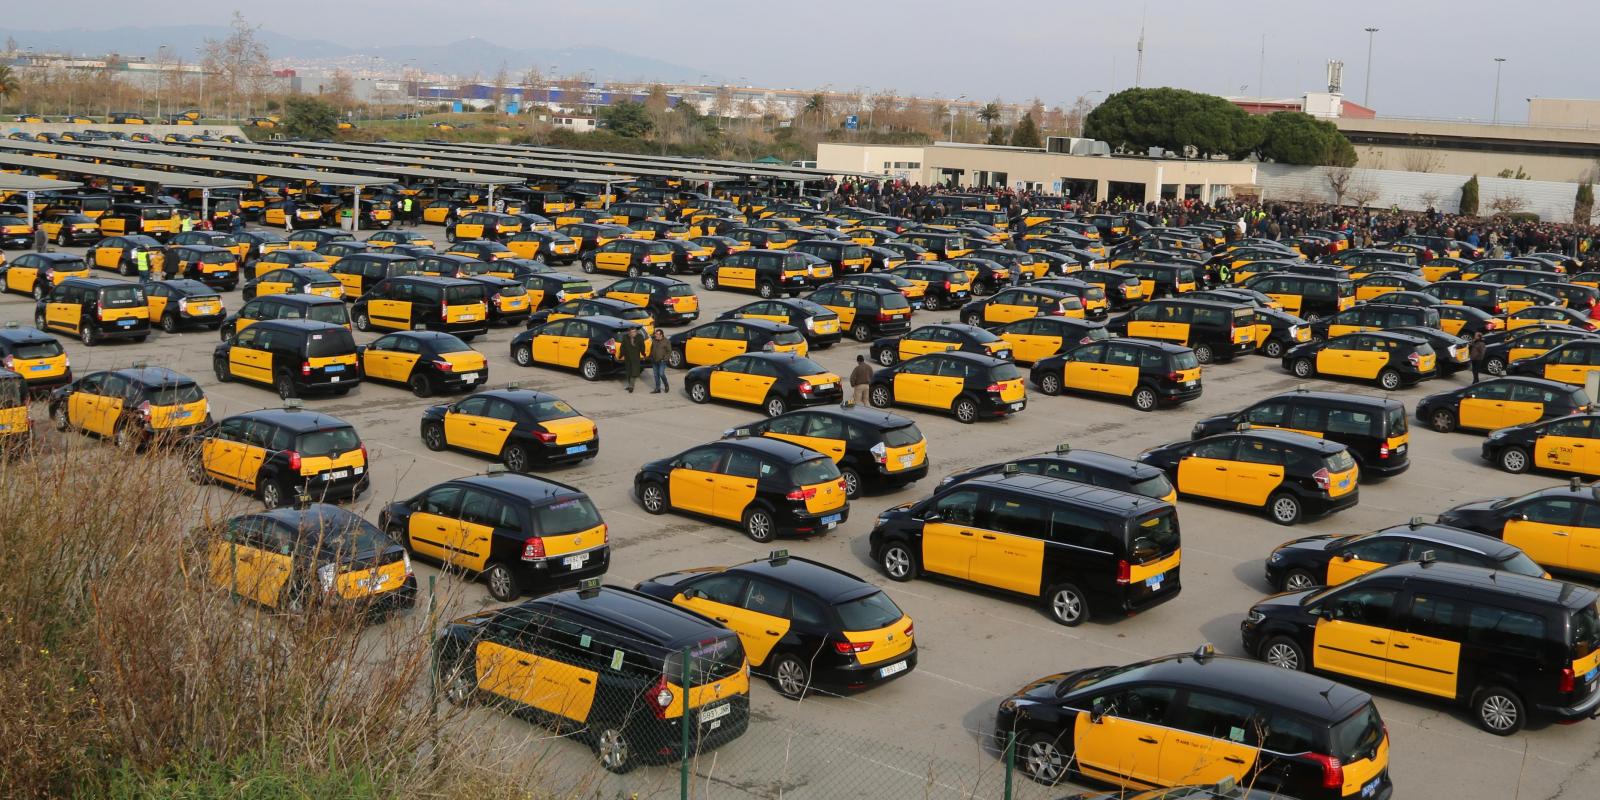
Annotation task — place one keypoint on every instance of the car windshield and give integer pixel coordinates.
(343, 532)
(546, 410)
(814, 471)
(44, 349)
(868, 613)
(1357, 737)
(175, 394)
(1004, 372)
(1157, 486)
(329, 442)
(563, 517)
(332, 342)
(903, 436)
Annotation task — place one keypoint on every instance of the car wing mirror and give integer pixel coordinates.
(1347, 556)
(1097, 711)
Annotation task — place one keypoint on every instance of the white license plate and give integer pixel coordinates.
(575, 561)
(822, 387)
(1189, 384)
(336, 475)
(334, 379)
(715, 712)
(1400, 449)
(894, 669)
(1016, 406)
(470, 377)
(373, 583)
(908, 459)
(467, 318)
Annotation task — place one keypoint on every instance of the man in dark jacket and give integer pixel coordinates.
(860, 381)
(632, 351)
(1475, 353)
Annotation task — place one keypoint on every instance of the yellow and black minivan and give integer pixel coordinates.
(520, 428)
(548, 246)
(95, 309)
(1121, 289)
(132, 407)
(517, 532)
(609, 665)
(286, 306)
(719, 340)
(214, 266)
(1076, 548)
(771, 273)
(1021, 302)
(1284, 473)
(843, 257)
(1374, 428)
(156, 220)
(1148, 373)
(1389, 359)
(1331, 559)
(116, 253)
(944, 246)
(1569, 362)
(36, 274)
(1216, 330)
(633, 257)
(1509, 647)
(291, 558)
(1310, 297)
(968, 385)
(361, 271)
(669, 300)
(1164, 280)
(422, 302)
(1377, 316)
(768, 487)
(280, 454)
(293, 356)
(1042, 337)
(872, 448)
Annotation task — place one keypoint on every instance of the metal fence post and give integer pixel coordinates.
(1010, 759)
(683, 771)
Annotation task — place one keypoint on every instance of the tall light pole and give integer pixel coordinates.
(1498, 62)
(953, 116)
(1366, 96)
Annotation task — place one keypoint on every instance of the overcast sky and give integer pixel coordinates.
(1431, 57)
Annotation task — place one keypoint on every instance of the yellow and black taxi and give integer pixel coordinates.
(669, 300)
(1558, 527)
(1082, 466)
(1501, 403)
(183, 303)
(94, 309)
(606, 663)
(116, 253)
(1387, 358)
(661, 230)
(1465, 321)
(1374, 316)
(1378, 283)
(340, 249)
(968, 385)
(1374, 428)
(507, 299)
(1203, 719)
(520, 428)
(294, 280)
(205, 237)
(873, 449)
(719, 340)
(763, 238)
(1502, 348)
(1508, 647)
(68, 229)
(943, 245)
(292, 258)
(1331, 559)
(16, 427)
(480, 250)
(546, 245)
(770, 273)
(1030, 267)
(209, 264)
(132, 406)
(819, 325)
(459, 265)
(1021, 302)
(688, 258)
(591, 235)
(938, 338)
(1093, 296)
(1217, 330)
(882, 259)
(937, 285)
(1077, 548)
(591, 345)
(1568, 362)
(844, 257)
(359, 272)
(156, 220)
(595, 307)
(1565, 444)
(390, 238)
(312, 238)
(1310, 297)
(548, 288)
(1164, 280)
(721, 246)
(517, 532)
(1571, 295)
(804, 625)
(1548, 315)
(1148, 373)
(423, 302)
(280, 454)
(1122, 289)
(1489, 297)
(286, 306)
(293, 356)
(36, 274)
(428, 362)
(291, 558)
(1041, 337)
(1287, 474)
(775, 382)
(770, 488)
(36, 356)
(1519, 277)
(483, 225)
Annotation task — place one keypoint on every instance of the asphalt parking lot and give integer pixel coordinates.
(927, 729)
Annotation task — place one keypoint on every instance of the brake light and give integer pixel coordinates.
(144, 410)
(993, 388)
(544, 437)
(1332, 770)
(909, 628)
(533, 549)
(444, 366)
(100, 309)
(1415, 359)
(1569, 680)
(363, 448)
(802, 494)
(1174, 376)
(305, 368)
(1124, 573)
(947, 286)
(1497, 309)
(805, 386)
(851, 648)
(670, 301)
(1383, 450)
(294, 460)
(1323, 478)
(658, 697)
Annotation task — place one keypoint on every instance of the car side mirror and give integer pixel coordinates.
(1097, 712)
(1347, 556)
(1521, 517)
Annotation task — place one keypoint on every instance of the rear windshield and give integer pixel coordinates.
(463, 294)
(476, 268)
(546, 410)
(679, 290)
(812, 309)
(122, 297)
(903, 436)
(893, 301)
(814, 471)
(852, 252)
(331, 342)
(1585, 631)
(155, 213)
(175, 394)
(27, 350)
(333, 313)
(1153, 538)
(1004, 372)
(330, 442)
(347, 534)
(1156, 487)
(868, 613)
(1520, 564)
(1397, 420)
(223, 257)
(788, 337)
(1339, 462)
(709, 660)
(577, 288)
(1185, 360)
(1357, 737)
(566, 516)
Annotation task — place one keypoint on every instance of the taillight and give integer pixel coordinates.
(658, 697)
(993, 388)
(1497, 309)
(294, 460)
(544, 437)
(1323, 478)
(1174, 376)
(805, 386)
(1383, 450)
(851, 648)
(802, 494)
(100, 309)
(909, 628)
(305, 368)
(444, 366)
(1415, 359)
(671, 301)
(947, 286)
(144, 410)
(1569, 680)
(1124, 573)
(363, 454)
(533, 549)
(444, 310)
(1332, 770)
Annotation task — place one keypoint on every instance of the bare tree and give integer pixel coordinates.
(1431, 198)
(1508, 203)
(238, 63)
(340, 90)
(1339, 181)
(1418, 159)
(501, 78)
(1362, 194)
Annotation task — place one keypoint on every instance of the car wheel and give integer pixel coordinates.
(502, 584)
(1303, 368)
(1310, 317)
(38, 320)
(972, 318)
(676, 358)
(1299, 580)
(1495, 366)
(516, 458)
(633, 271)
(1498, 710)
(220, 367)
(759, 525)
(887, 357)
(1443, 420)
(1514, 460)
(588, 266)
(698, 392)
(1273, 349)
(273, 494)
(653, 496)
(852, 482)
(611, 746)
(125, 269)
(284, 385)
(708, 279)
(1050, 384)
(88, 335)
(790, 676)
(1389, 380)
(1284, 653)
(59, 414)
(965, 410)
(169, 323)
(589, 368)
(363, 322)
(1144, 398)
(860, 332)
(125, 437)
(767, 290)
(1068, 604)
(776, 405)
(523, 356)
(880, 397)
(38, 290)
(460, 686)
(292, 597)
(433, 436)
(1284, 508)
(898, 562)
(1042, 760)
(421, 385)
(1204, 354)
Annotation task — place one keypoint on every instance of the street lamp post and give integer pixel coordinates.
(1498, 62)
(953, 116)
(1366, 96)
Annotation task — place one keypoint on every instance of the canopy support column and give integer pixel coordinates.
(29, 196)
(355, 217)
(205, 203)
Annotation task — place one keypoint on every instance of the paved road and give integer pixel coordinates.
(923, 735)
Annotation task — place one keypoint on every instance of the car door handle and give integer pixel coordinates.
(585, 680)
(710, 480)
(1147, 740)
(1222, 469)
(966, 533)
(524, 662)
(773, 633)
(1402, 647)
(720, 619)
(1274, 474)
(1376, 641)
(989, 536)
(1233, 759)
(1558, 533)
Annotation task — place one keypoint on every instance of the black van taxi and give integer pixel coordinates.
(1083, 466)
(360, 272)
(519, 427)
(427, 362)
(770, 273)
(1217, 331)
(938, 338)
(1287, 474)
(95, 309)
(423, 302)
(1503, 348)
(669, 300)
(1501, 403)
(1149, 373)
(1380, 283)
(1164, 280)
(968, 385)
(1122, 289)
(286, 306)
(518, 533)
(390, 238)
(1212, 719)
(280, 454)
(280, 259)
(1389, 359)
(720, 340)
(116, 253)
(769, 487)
(132, 406)
(291, 558)
(1021, 302)
(1558, 527)
(1464, 321)
(1076, 548)
(1564, 444)
(819, 325)
(547, 289)
(595, 307)
(872, 448)
(866, 312)
(483, 225)
(775, 382)
(1092, 295)
(1310, 297)
(1374, 428)
(591, 345)
(34, 355)
(633, 257)
(293, 356)
(183, 303)
(606, 663)
(1331, 559)
(36, 274)
(1509, 647)
(805, 625)
(1568, 362)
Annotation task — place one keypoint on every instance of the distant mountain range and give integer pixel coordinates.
(461, 58)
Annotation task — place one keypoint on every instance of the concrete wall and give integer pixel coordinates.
(871, 158)
(1473, 162)
(1412, 191)
(1563, 111)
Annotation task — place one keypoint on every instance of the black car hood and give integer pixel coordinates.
(1317, 543)
(1283, 601)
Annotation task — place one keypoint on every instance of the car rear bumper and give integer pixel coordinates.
(856, 677)
(1320, 503)
(800, 522)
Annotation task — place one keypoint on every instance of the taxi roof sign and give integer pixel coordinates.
(293, 404)
(1204, 653)
(1416, 522)
(588, 587)
(1011, 468)
(496, 469)
(778, 556)
(1063, 449)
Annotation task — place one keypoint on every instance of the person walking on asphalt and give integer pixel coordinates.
(658, 361)
(860, 380)
(632, 349)
(141, 262)
(41, 240)
(1475, 353)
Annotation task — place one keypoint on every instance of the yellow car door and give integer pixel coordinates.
(1007, 556)
(247, 362)
(1008, 306)
(727, 385)
(1028, 345)
(546, 346)
(755, 616)
(1119, 375)
(1256, 471)
(1353, 638)
(1119, 747)
(389, 313)
(1546, 533)
(692, 482)
(912, 384)
(942, 388)
(703, 347)
(1192, 757)
(1204, 471)
(1350, 565)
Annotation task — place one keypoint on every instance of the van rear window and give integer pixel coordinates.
(463, 294)
(1397, 420)
(893, 301)
(903, 436)
(331, 342)
(330, 442)
(1585, 631)
(122, 297)
(1358, 736)
(814, 471)
(1004, 372)
(709, 660)
(332, 313)
(1153, 537)
(46, 349)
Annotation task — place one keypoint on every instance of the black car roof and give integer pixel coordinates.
(762, 324)
(380, 255)
(425, 336)
(303, 325)
(1338, 397)
(1486, 581)
(1294, 439)
(1112, 500)
(647, 619)
(829, 584)
(1149, 344)
(187, 286)
(437, 280)
(298, 299)
(526, 487)
(518, 396)
(98, 283)
(1302, 693)
(56, 257)
(24, 336)
(788, 452)
(1455, 537)
(608, 321)
(876, 418)
(295, 420)
(977, 358)
(1103, 461)
(153, 376)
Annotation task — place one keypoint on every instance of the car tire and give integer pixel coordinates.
(169, 323)
(1204, 354)
(633, 271)
(1303, 368)
(759, 525)
(88, 335)
(860, 332)
(125, 437)
(852, 482)
(38, 320)
(887, 357)
(1284, 653)
(125, 269)
(1272, 349)
(59, 415)
(898, 562)
(677, 359)
(1284, 508)
(1443, 420)
(1495, 366)
(421, 385)
(1145, 398)
(1498, 710)
(1067, 604)
(1050, 385)
(699, 392)
(1298, 580)
(283, 384)
(965, 410)
(588, 266)
(1041, 759)
(1514, 460)
(460, 686)
(363, 322)
(433, 437)
(1389, 380)
(502, 583)
(589, 368)
(273, 494)
(653, 496)
(708, 279)
(612, 748)
(790, 676)
(766, 290)
(523, 356)
(220, 368)
(972, 318)
(38, 290)
(775, 405)
(880, 397)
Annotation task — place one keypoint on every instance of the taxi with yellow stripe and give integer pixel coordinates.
(115, 253)
(1082, 466)
(34, 355)
(1548, 315)
(1021, 302)
(36, 274)
(424, 302)
(1164, 280)
(819, 325)
(717, 341)
(94, 310)
(591, 345)
(804, 625)
(595, 307)
(311, 238)
(939, 338)
(549, 246)
(484, 225)
(936, 285)
(967, 385)
(286, 306)
(294, 280)
(1501, 403)
(16, 428)
(281, 454)
(1331, 559)
(390, 238)
(1380, 283)
(873, 449)
(1076, 549)
(1374, 428)
(1092, 296)
(669, 300)
(1564, 444)
(770, 273)
(209, 264)
(1123, 290)
(1038, 338)
(1387, 358)
(1217, 330)
(775, 382)
(767, 487)
(548, 288)
(1310, 297)
(1568, 362)
(66, 228)
(293, 356)
(428, 362)
(1502, 348)
(1149, 374)
(132, 407)
(182, 303)
(290, 559)
(592, 235)
(1286, 474)
(291, 259)
(522, 429)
